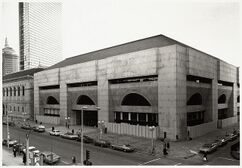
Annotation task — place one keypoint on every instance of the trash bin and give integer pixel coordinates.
(105, 130)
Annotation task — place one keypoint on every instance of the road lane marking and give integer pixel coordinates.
(150, 161)
(228, 159)
(64, 162)
(177, 164)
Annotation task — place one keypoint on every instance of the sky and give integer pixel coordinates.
(87, 25)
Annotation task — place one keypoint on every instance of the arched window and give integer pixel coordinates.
(222, 99)
(85, 100)
(23, 90)
(7, 91)
(18, 91)
(3, 92)
(10, 91)
(134, 99)
(195, 99)
(52, 100)
(14, 91)
(238, 99)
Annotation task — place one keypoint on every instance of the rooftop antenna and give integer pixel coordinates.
(6, 42)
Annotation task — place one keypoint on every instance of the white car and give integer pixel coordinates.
(33, 150)
(55, 132)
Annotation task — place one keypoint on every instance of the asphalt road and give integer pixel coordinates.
(105, 156)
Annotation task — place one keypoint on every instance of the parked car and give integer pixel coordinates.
(19, 147)
(102, 143)
(32, 149)
(125, 148)
(11, 142)
(55, 132)
(39, 128)
(232, 136)
(50, 157)
(86, 139)
(220, 141)
(26, 126)
(10, 123)
(208, 148)
(69, 135)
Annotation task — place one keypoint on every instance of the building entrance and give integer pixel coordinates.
(89, 118)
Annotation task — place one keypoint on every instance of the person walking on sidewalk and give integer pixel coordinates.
(24, 159)
(14, 151)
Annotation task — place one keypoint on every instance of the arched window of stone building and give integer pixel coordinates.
(14, 91)
(238, 99)
(52, 100)
(10, 91)
(222, 99)
(7, 91)
(23, 90)
(195, 99)
(134, 99)
(18, 91)
(3, 92)
(85, 100)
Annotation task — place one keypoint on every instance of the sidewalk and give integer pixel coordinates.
(9, 160)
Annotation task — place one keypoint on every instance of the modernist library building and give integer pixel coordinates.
(155, 81)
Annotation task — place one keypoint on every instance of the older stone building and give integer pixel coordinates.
(18, 93)
(154, 81)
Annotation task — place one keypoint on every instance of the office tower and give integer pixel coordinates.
(40, 34)
(9, 59)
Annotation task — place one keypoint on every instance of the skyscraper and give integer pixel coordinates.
(40, 34)
(9, 59)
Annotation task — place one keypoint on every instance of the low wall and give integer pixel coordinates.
(202, 129)
(227, 122)
(48, 119)
(135, 130)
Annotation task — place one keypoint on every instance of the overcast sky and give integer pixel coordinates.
(211, 26)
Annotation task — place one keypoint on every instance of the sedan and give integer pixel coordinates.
(220, 142)
(26, 126)
(39, 128)
(32, 149)
(102, 143)
(125, 148)
(50, 157)
(208, 148)
(69, 135)
(11, 142)
(55, 132)
(86, 139)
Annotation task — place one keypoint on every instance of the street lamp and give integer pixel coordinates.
(101, 125)
(67, 121)
(152, 128)
(8, 135)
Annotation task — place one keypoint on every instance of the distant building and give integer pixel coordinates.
(18, 93)
(156, 81)
(40, 34)
(10, 59)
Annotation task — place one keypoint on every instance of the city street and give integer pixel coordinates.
(105, 156)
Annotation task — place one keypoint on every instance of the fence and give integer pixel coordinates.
(202, 129)
(48, 119)
(135, 130)
(227, 122)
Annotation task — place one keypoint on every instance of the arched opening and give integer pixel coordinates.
(134, 99)
(238, 99)
(222, 99)
(90, 114)
(85, 100)
(52, 100)
(195, 99)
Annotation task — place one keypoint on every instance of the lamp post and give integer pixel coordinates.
(8, 135)
(152, 128)
(101, 124)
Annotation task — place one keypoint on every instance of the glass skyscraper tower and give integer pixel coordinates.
(40, 34)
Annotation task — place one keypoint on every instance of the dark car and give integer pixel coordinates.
(220, 141)
(50, 157)
(39, 128)
(86, 139)
(208, 148)
(102, 143)
(69, 135)
(124, 148)
(26, 126)
(230, 137)
(11, 142)
(10, 123)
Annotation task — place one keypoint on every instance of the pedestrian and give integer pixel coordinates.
(53, 128)
(36, 121)
(168, 145)
(24, 159)
(73, 159)
(165, 151)
(40, 123)
(205, 157)
(14, 151)
(68, 126)
(72, 131)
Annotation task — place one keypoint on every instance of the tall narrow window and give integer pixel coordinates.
(10, 91)
(3, 92)
(23, 90)
(14, 91)
(7, 91)
(18, 91)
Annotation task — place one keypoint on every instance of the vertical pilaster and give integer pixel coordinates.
(63, 102)
(234, 99)
(103, 91)
(36, 98)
